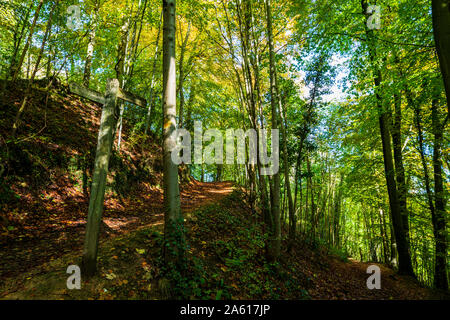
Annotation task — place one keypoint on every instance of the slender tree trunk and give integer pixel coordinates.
(16, 69)
(18, 41)
(244, 17)
(120, 69)
(173, 219)
(440, 274)
(91, 46)
(383, 234)
(275, 247)
(337, 214)
(149, 118)
(398, 160)
(35, 70)
(311, 197)
(292, 217)
(405, 266)
(420, 138)
(308, 186)
(298, 176)
(28, 64)
(189, 123)
(181, 76)
(50, 58)
(219, 172)
(134, 52)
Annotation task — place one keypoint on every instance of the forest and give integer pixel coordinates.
(224, 149)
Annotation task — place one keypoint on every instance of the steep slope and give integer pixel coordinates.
(47, 170)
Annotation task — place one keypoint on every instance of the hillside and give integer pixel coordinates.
(44, 206)
(44, 187)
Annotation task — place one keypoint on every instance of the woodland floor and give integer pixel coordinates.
(225, 253)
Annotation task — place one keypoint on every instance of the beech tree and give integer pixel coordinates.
(405, 265)
(173, 218)
(275, 246)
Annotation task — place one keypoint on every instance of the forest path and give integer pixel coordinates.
(62, 234)
(332, 278)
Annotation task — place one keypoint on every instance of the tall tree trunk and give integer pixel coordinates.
(420, 138)
(219, 172)
(405, 266)
(398, 160)
(440, 276)
(437, 218)
(189, 121)
(337, 214)
(292, 218)
(149, 118)
(244, 13)
(311, 197)
(275, 247)
(120, 69)
(181, 76)
(18, 40)
(173, 219)
(298, 177)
